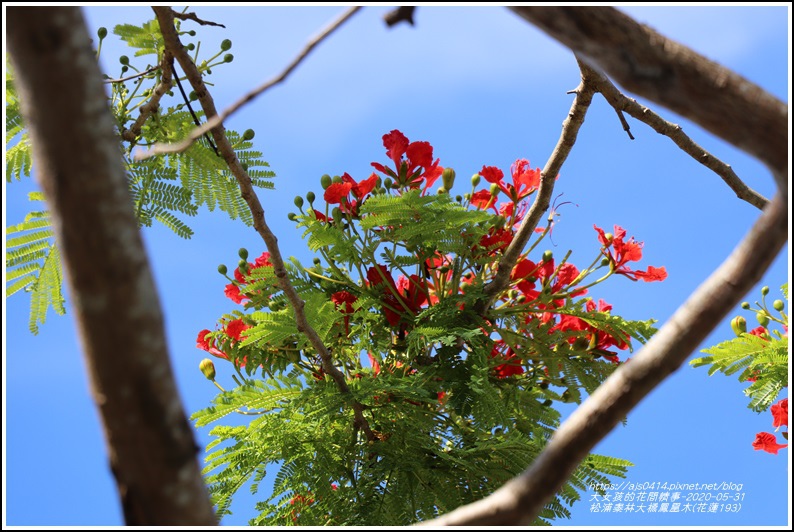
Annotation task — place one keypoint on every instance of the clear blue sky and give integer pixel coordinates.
(484, 88)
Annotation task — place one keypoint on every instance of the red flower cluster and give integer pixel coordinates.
(406, 296)
(765, 441)
(340, 193)
(232, 290)
(512, 364)
(344, 300)
(417, 166)
(233, 330)
(525, 179)
(620, 252)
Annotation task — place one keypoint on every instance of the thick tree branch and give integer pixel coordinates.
(519, 501)
(146, 110)
(165, 16)
(79, 167)
(664, 71)
(400, 14)
(570, 129)
(674, 132)
(216, 119)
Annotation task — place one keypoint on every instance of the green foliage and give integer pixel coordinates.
(166, 189)
(759, 356)
(456, 402)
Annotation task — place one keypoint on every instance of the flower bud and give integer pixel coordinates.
(547, 255)
(442, 190)
(448, 177)
(228, 58)
(494, 189)
(778, 305)
(337, 214)
(102, 32)
(243, 265)
(764, 290)
(604, 261)
(475, 180)
(243, 253)
(298, 201)
(207, 368)
(387, 183)
(222, 269)
(746, 305)
(336, 179)
(762, 318)
(292, 216)
(226, 44)
(739, 325)
(248, 134)
(310, 197)
(609, 237)
(124, 60)
(548, 402)
(325, 181)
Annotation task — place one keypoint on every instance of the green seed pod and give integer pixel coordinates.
(778, 305)
(475, 180)
(124, 69)
(739, 325)
(325, 181)
(310, 197)
(209, 71)
(292, 216)
(192, 33)
(243, 253)
(228, 58)
(548, 255)
(298, 201)
(746, 305)
(207, 368)
(226, 44)
(764, 290)
(248, 134)
(222, 269)
(762, 318)
(124, 60)
(102, 32)
(190, 46)
(448, 178)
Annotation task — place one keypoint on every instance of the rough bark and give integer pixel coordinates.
(79, 167)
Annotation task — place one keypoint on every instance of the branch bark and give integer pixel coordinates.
(165, 16)
(79, 167)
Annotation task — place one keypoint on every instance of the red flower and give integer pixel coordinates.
(764, 441)
(483, 199)
(374, 363)
(337, 192)
(235, 328)
(760, 332)
(232, 291)
(345, 300)
(512, 364)
(496, 240)
(203, 343)
(780, 413)
(418, 166)
(623, 252)
(525, 179)
(361, 189)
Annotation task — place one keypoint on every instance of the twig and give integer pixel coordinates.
(194, 18)
(674, 132)
(624, 123)
(139, 74)
(521, 499)
(570, 129)
(190, 108)
(165, 17)
(401, 14)
(213, 121)
(650, 65)
(154, 102)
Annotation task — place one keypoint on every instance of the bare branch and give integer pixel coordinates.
(401, 14)
(521, 499)
(151, 446)
(570, 129)
(194, 18)
(621, 103)
(213, 121)
(650, 65)
(166, 19)
(146, 110)
(139, 74)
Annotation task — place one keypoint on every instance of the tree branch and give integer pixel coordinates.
(519, 501)
(570, 129)
(79, 167)
(400, 14)
(165, 16)
(194, 18)
(216, 119)
(674, 132)
(650, 65)
(146, 110)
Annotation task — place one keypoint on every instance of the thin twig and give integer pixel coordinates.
(519, 501)
(570, 129)
(178, 147)
(400, 14)
(190, 108)
(624, 123)
(139, 74)
(194, 18)
(165, 17)
(674, 132)
(151, 106)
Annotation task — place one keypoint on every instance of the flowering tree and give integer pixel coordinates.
(453, 311)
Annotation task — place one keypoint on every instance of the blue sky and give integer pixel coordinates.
(484, 88)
